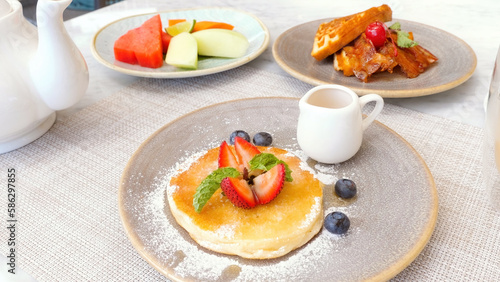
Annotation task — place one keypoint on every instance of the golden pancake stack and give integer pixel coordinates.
(266, 231)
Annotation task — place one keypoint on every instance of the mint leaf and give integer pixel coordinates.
(266, 161)
(404, 40)
(210, 184)
(395, 26)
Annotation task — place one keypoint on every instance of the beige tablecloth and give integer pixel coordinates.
(69, 228)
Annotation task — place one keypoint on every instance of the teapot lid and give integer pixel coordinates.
(5, 8)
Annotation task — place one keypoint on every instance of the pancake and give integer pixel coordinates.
(265, 231)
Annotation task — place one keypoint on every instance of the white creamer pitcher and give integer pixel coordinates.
(330, 126)
(41, 71)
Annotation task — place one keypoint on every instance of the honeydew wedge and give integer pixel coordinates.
(221, 43)
(183, 51)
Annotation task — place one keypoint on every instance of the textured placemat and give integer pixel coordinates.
(68, 225)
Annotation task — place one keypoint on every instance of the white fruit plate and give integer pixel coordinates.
(250, 26)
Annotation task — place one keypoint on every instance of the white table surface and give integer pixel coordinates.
(476, 22)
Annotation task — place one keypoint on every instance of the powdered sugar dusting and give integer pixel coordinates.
(311, 216)
(180, 167)
(324, 173)
(188, 260)
(225, 231)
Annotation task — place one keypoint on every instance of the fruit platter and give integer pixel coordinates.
(379, 208)
(213, 56)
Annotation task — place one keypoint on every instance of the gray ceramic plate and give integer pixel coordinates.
(456, 62)
(392, 217)
(250, 26)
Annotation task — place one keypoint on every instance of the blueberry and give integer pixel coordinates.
(262, 139)
(337, 223)
(241, 133)
(345, 188)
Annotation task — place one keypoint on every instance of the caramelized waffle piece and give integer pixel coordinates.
(332, 36)
(363, 60)
(414, 60)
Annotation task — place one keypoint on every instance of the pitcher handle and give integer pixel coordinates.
(363, 100)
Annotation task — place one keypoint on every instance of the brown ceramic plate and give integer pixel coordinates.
(456, 62)
(392, 216)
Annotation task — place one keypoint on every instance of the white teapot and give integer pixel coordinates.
(40, 71)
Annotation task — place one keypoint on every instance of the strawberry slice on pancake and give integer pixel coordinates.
(253, 187)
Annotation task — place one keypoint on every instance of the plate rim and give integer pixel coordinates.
(388, 273)
(406, 93)
(188, 73)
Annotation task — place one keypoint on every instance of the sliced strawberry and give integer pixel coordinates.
(268, 185)
(227, 157)
(244, 151)
(265, 185)
(238, 192)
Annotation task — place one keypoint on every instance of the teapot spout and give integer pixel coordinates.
(58, 70)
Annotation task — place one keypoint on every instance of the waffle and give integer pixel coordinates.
(332, 36)
(266, 231)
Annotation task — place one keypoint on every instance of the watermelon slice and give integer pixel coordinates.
(165, 40)
(142, 45)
